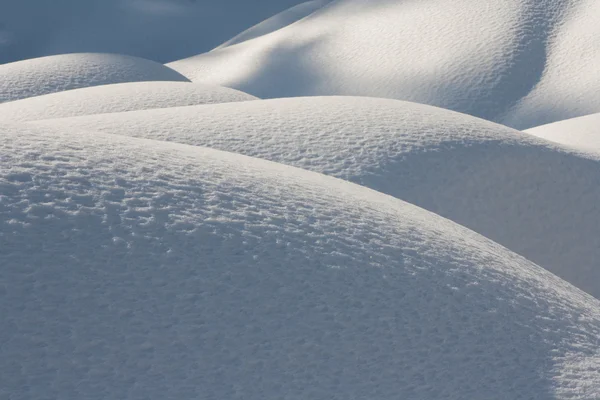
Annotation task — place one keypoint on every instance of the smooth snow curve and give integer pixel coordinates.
(159, 30)
(142, 269)
(582, 132)
(536, 198)
(52, 74)
(276, 22)
(518, 62)
(117, 98)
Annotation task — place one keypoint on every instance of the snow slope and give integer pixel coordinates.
(52, 74)
(536, 198)
(117, 98)
(141, 269)
(277, 22)
(582, 132)
(160, 30)
(519, 62)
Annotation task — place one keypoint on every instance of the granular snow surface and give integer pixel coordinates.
(52, 74)
(119, 97)
(292, 199)
(519, 62)
(532, 196)
(142, 269)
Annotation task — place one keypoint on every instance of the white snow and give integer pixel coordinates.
(519, 62)
(582, 132)
(199, 230)
(160, 30)
(28, 78)
(143, 269)
(536, 198)
(277, 22)
(117, 98)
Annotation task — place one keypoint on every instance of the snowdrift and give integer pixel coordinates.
(582, 132)
(519, 62)
(534, 197)
(52, 74)
(117, 98)
(144, 269)
(160, 30)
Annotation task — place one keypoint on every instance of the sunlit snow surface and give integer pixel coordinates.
(117, 98)
(167, 234)
(519, 62)
(534, 197)
(53, 74)
(582, 132)
(141, 269)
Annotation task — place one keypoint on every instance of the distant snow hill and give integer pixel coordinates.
(52, 74)
(117, 98)
(160, 30)
(582, 132)
(136, 269)
(532, 196)
(519, 62)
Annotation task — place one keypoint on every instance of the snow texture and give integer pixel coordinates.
(137, 269)
(52, 74)
(519, 62)
(117, 98)
(160, 30)
(582, 132)
(534, 197)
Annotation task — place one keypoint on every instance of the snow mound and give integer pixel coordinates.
(159, 30)
(518, 62)
(582, 132)
(52, 74)
(117, 98)
(536, 198)
(277, 22)
(142, 269)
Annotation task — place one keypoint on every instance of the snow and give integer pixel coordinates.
(160, 30)
(178, 222)
(582, 132)
(277, 22)
(117, 98)
(534, 197)
(52, 74)
(568, 86)
(137, 269)
(519, 62)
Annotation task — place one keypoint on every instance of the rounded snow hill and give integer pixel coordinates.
(582, 132)
(52, 74)
(143, 269)
(519, 62)
(118, 98)
(534, 197)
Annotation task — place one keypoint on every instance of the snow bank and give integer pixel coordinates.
(142, 269)
(519, 62)
(52, 74)
(582, 132)
(536, 198)
(118, 98)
